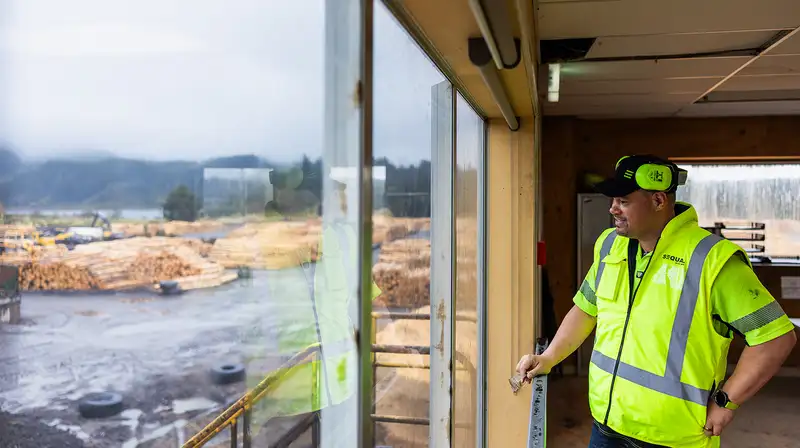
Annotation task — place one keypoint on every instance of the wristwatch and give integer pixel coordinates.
(721, 399)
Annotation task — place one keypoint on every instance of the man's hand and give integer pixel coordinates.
(533, 365)
(717, 419)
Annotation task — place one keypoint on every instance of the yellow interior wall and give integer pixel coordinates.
(511, 260)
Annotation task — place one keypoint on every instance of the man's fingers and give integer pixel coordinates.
(524, 364)
(712, 429)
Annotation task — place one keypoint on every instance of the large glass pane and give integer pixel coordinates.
(180, 214)
(740, 196)
(404, 77)
(469, 163)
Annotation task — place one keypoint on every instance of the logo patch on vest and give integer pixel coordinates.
(670, 276)
(677, 260)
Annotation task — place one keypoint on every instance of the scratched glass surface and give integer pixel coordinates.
(166, 184)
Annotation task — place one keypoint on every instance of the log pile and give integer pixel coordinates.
(157, 267)
(55, 276)
(283, 244)
(272, 245)
(119, 265)
(403, 274)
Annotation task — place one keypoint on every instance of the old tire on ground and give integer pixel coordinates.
(100, 405)
(170, 287)
(227, 373)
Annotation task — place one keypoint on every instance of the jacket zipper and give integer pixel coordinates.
(633, 250)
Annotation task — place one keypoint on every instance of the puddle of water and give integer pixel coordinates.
(72, 429)
(156, 434)
(192, 404)
(130, 418)
(160, 409)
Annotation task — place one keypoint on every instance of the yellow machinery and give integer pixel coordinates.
(50, 240)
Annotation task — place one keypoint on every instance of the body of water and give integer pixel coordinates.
(149, 213)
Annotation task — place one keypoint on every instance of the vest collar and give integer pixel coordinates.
(685, 215)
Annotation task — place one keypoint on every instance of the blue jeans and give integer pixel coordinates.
(605, 437)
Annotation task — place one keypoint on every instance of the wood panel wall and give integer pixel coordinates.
(571, 148)
(511, 260)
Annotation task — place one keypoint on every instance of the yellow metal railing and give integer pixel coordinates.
(242, 408)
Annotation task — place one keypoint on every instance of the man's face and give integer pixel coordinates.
(634, 213)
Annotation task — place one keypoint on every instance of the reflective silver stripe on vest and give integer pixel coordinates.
(670, 383)
(686, 306)
(588, 293)
(605, 249)
(651, 380)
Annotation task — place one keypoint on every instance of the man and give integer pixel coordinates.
(666, 298)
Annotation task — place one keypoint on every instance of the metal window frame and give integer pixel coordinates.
(349, 121)
(483, 224)
(443, 162)
(364, 93)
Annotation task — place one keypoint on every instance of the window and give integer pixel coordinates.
(468, 307)
(745, 196)
(182, 221)
(404, 78)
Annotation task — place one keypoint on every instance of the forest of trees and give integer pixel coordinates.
(118, 183)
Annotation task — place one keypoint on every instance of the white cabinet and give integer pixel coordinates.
(593, 219)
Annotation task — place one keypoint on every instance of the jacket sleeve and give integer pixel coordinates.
(740, 302)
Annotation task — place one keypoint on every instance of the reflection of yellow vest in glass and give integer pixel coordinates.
(657, 360)
(330, 378)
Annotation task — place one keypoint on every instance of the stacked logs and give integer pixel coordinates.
(119, 265)
(154, 268)
(55, 276)
(403, 274)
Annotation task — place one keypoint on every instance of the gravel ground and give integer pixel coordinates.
(22, 431)
(158, 412)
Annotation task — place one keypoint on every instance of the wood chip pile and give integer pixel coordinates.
(274, 245)
(118, 265)
(403, 273)
(171, 228)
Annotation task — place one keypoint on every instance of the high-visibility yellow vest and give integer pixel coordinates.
(657, 357)
(323, 320)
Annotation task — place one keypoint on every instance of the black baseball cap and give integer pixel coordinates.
(624, 181)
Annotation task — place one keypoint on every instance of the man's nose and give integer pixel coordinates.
(614, 210)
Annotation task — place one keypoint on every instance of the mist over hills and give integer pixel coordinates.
(98, 180)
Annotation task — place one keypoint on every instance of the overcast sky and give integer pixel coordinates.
(192, 79)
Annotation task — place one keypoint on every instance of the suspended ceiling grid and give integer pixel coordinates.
(701, 57)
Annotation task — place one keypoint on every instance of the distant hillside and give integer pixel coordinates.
(100, 182)
(104, 181)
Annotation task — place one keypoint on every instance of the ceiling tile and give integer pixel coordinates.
(741, 109)
(560, 20)
(773, 65)
(623, 99)
(607, 111)
(640, 86)
(789, 46)
(671, 68)
(658, 45)
(765, 82)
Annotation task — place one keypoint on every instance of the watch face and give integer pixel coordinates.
(721, 398)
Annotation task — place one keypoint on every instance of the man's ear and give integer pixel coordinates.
(660, 200)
